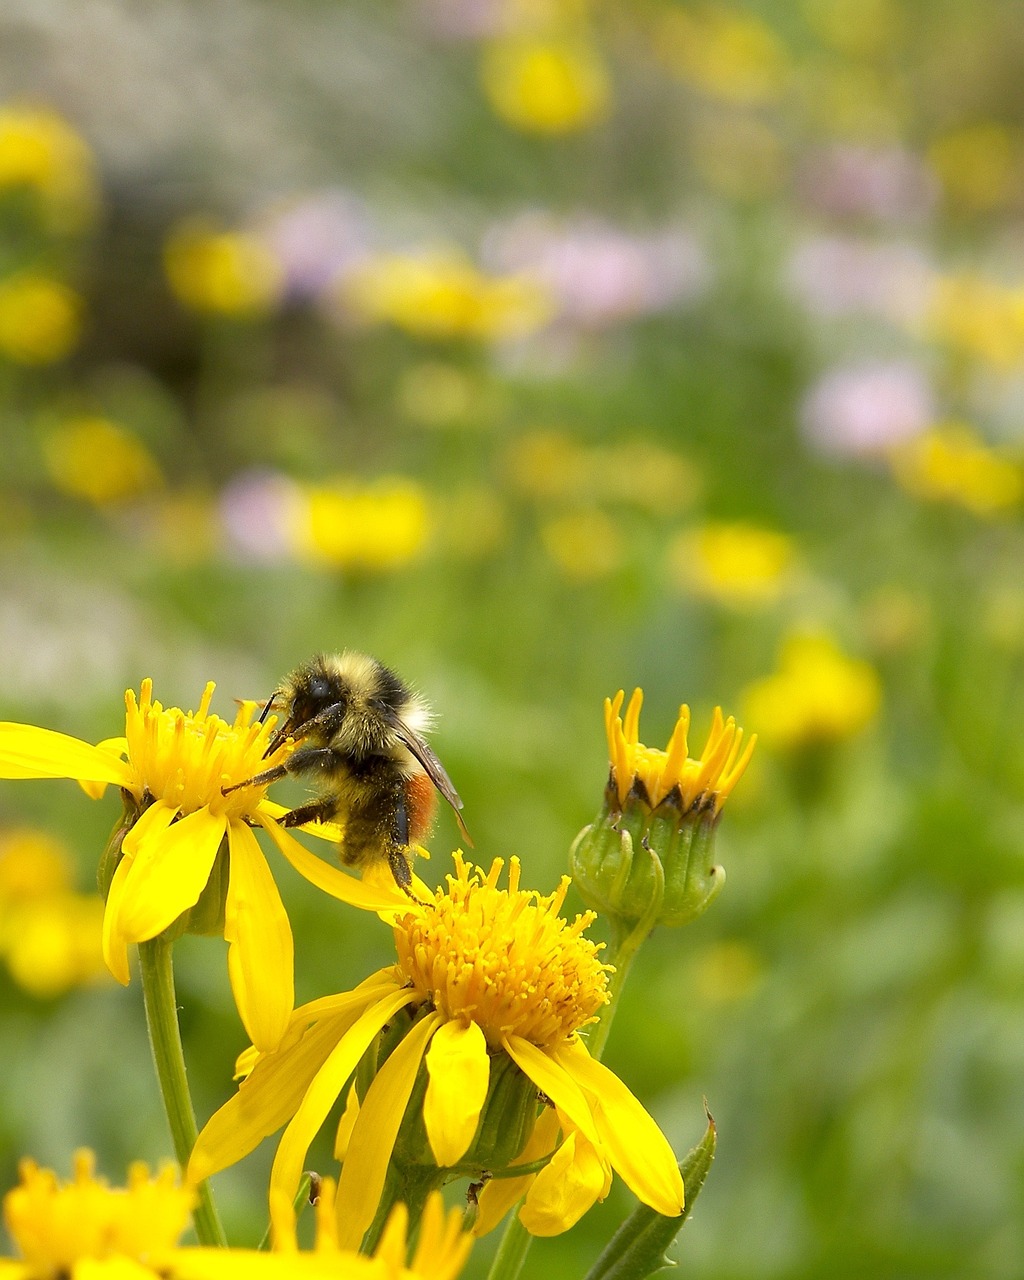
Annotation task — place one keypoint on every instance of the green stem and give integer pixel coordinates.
(512, 1251)
(169, 1059)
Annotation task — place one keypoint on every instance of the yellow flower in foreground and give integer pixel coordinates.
(175, 768)
(735, 563)
(221, 272)
(952, 463)
(99, 460)
(496, 986)
(649, 852)
(818, 695)
(40, 318)
(87, 1230)
(548, 86)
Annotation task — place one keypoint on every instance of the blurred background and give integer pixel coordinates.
(542, 348)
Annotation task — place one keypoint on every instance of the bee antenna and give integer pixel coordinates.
(267, 706)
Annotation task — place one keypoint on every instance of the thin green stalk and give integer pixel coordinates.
(515, 1244)
(169, 1059)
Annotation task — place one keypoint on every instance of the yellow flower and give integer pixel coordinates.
(173, 774)
(818, 695)
(585, 545)
(728, 55)
(40, 318)
(87, 1230)
(977, 164)
(498, 986)
(952, 463)
(99, 460)
(371, 528)
(736, 563)
(981, 317)
(441, 295)
(33, 865)
(221, 272)
(549, 85)
(41, 152)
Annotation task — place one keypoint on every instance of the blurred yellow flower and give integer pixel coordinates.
(371, 528)
(733, 562)
(725, 53)
(854, 100)
(33, 865)
(99, 460)
(547, 85)
(818, 695)
(980, 316)
(585, 545)
(951, 463)
(40, 151)
(857, 28)
(40, 318)
(226, 273)
(443, 295)
(977, 164)
(473, 523)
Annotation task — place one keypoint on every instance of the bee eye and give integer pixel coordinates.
(319, 690)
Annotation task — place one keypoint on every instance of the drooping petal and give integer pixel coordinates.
(344, 887)
(500, 1194)
(115, 949)
(637, 1148)
(369, 1151)
(459, 1070)
(552, 1078)
(29, 752)
(266, 1099)
(565, 1188)
(324, 1090)
(117, 747)
(261, 952)
(168, 873)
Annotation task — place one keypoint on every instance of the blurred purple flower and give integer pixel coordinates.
(258, 511)
(597, 273)
(835, 276)
(318, 239)
(867, 407)
(890, 184)
(462, 19)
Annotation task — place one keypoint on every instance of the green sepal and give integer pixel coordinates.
(637, 1249)
(111, 854)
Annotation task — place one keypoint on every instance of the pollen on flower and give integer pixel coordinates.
(503, 958)
(55, 1225)
(706, 780)
(189, 759)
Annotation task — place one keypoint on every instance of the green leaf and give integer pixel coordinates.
(637, 1249)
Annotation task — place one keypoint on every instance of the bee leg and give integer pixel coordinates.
(398, 860)
(259, 780)
(302, 761)
(315, 811)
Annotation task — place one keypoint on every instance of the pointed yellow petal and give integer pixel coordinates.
(28, 752)
(634, 1144)
(168, 873)
(324, 1090)
(158, 817)
(552, 1078)
(459, 1070)
(261, 953)
(266, 1099)
(115, 949)
(117, 747)
(339, 885)
(500, 1194)
(369, 1152)
(565, 1189)
(346, 1124)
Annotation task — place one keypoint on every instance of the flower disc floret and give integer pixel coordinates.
(503, 958)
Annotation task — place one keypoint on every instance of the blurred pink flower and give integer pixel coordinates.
(318, 239)
(890, 184)
(597, 273)
(868, 407)
(836, 276)
(258, 514)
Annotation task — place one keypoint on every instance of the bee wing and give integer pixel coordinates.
(434, 770)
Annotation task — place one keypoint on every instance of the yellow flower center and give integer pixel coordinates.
(189, 759)
(706, 780)
(503, 958)
(54, 1225)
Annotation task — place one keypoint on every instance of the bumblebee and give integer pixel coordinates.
(359, 729)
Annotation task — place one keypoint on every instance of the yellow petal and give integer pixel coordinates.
(634, 1144)
(261, 954)
(552, 1078)
(28, 752)
(115, 949)
(322, 830)
(117, 747)
(321, 1095)
(339, 885)
(369, 1152)
(168, 873)
(459, 1070)
(346, 1124)
(158, 817)
(12, 1270)
(500, 1194)
(111, 1268)
(266, 1099)
(564, 1189)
